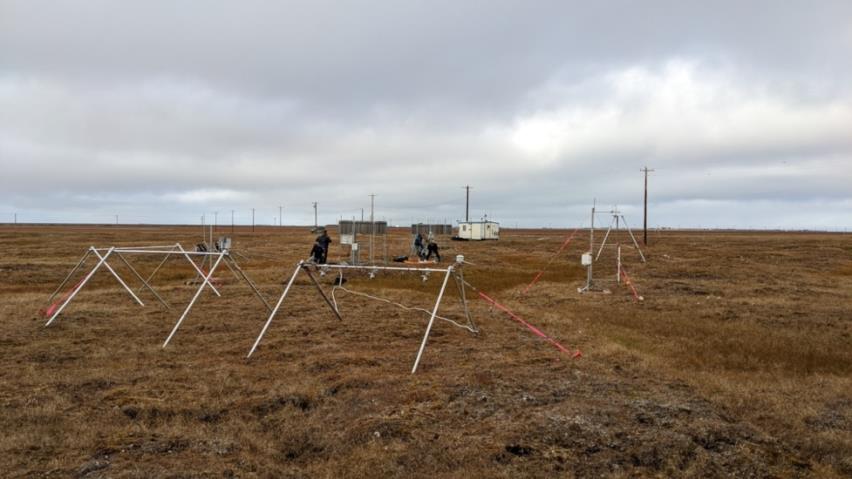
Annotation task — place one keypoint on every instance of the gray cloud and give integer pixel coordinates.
(162, 111)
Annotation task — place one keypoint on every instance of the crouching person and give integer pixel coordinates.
(432, 248)
(317, 254)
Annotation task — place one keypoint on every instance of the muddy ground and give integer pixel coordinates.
(737, 363)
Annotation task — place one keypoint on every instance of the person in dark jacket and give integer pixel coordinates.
(433, 249)
(323, 241)
(317, 254)
(418, 245)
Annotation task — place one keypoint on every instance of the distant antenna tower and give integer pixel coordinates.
(589, 258)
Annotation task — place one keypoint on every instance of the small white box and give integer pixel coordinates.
(586, 259)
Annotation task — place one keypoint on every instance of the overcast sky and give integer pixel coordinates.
(161, 111)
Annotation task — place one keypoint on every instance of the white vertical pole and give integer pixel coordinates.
(197, 294)
(372, 226)
(431, 320)
(618, 264)
(590, 275)
(277, 306)
(119, 279)
(82, 283)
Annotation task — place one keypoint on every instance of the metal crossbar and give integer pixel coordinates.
(304, 266)
(103, 254)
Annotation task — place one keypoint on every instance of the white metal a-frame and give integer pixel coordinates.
(103, 254)
(453, 270)
(617, 219)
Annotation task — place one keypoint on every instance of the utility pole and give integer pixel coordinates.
(16, 218)
(280, 212)
(645, 216)
(467, 203)
(316, 223)
(215, 220)
(372, 225)
(232, 221)
(252, 220)
(116, 219)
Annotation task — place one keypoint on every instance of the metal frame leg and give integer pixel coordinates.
(153, 273)
(276, 308)
(117, 277)
(232, 270)
(431, 320)
(144, 283)
(197, 269)
(459, 277)
(82, 283)
(322, 293)
(231, 261)
(73, 270)
(635, 243)
(194, 298)
(603, 243)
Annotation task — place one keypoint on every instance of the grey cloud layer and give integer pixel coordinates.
(541, 106)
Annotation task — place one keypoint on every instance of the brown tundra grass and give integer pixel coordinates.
(737, 363)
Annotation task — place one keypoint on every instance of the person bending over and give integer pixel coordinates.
(433, 249)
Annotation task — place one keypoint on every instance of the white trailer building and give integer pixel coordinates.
(478, 230)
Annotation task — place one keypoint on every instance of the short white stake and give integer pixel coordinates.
(277, 306)
(431, 320)
(197, 294)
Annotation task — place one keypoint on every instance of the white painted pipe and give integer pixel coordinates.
(121, 281)
(197, 269)
(277, 306)
(79, 287)
(431, 320)
(197, 294)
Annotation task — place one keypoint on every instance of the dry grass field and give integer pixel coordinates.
(737, 363)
